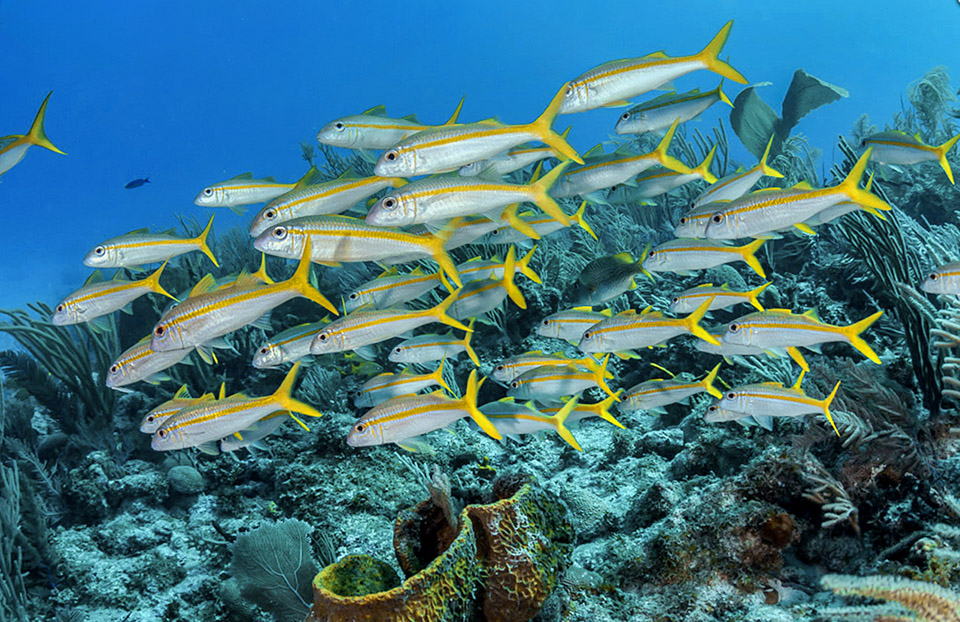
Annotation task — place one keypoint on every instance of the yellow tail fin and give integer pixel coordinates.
(456, 113)
(748, 252)
(599, 376)
(440, 255)
(603, 409)
(153, 282)
(707, 382)
(542, 198)
(852, 333)
(797, 357)
(764, 167)
(261, 273)
(284, 395)
(692, 322)
(723, 96)
(560, 418)
(509, 271)
(37, 135)
(203, 244)
(300, 281)
(304, 181)
(541, 128)
(437, 376)
(703, 170)
(467, 338)
(581, 220)
(668, 161)
(754, 295)
(850, 186)
(509, 214)
(469, 402)
(710, 56)
(439, 312)
(524, 266)
(941, 152)
(826, 407)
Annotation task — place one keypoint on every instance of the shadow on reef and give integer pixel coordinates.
(498, 563)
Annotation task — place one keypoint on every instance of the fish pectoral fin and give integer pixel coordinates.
(416, 445)
(367, 353)
(211, 448)
(262, 322)
(764, 421)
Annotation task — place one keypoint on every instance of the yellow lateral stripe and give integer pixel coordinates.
(427, 193)
(148, 243)
(227, 298)
(135, 357)
(665, 323)
(892, 143)
(479, 290)
(640, 63)
(226, 186)
(589, 167)
(823, 328)
(396, 383)
(797, 399)
(434, 344)
(385, 234)
(461, 136)
(701, 249)
(681, 100)
(777, 201)
(676, 387)
(324, 192)
(389, 286)
(379, 320)
(108, 291)
(415, 412)
(218, 411)
(571, 376)
(388, 126)
(524, 416)
(289, 340)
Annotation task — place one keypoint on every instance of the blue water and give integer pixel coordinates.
(188, 93)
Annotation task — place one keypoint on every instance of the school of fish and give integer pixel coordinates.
(440, 187)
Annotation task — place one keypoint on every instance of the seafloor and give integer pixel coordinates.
(668, 519)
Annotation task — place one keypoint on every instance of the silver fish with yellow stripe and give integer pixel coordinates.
(289, 346)
(403, 420)
(98, 297)
(513, 160)
(655, 182)
(369, 326)
(720, 298)
(384, 387)
(613, 83)
(540, 226)
(901, 148)
(582, 411)
(443, 149)
(13, 148)
(653, 395)
(631, 330)
(570, 324)
(206, 314)
(513, 419)
(781, 328)
(660, 112)
(180, 400)
(479, 297)
(760, 213)
(729, 351)
(332, 197)
(772, 399)
(450, 196)
(736, 185)
(373, 129)
(943, 279)
(210, 421)
(335, 239)
(392, 289)
(141, 247)
(550, 383)
(236, 192)
(515, 366)
(685, 256)
(140, 362)
(428, 348)
(478, 269)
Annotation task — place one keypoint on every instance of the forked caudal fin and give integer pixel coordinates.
(37, 135)
(826, 407)
(599, 376)
(668, 161)
(603, 409)
(153, 282)
(202, 243)
(692, 323)
(439, 313)
(941, 152)
(850, 187)
(469, 402)
(852, 333)
(542, 198)
(507, 282)
(300, 281)
(749, 254)
(580, 219)
(466, 343)
(703, 169)
(764, 167)
(524, 267)
(710, 56)
(541, 128)
(559, 419)
(707, 382)
(284, 395)
(437, 376)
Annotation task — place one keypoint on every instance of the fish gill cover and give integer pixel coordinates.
(770, 397)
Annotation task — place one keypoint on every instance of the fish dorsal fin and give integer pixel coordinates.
(763, 190)
(96, 277)
(411, 117)
(418, 271)
(269, 178)
(490, 121)
(657, 54)
(663, 369)
(376, 111)
(705, 285)
(223, 390)
(918, 137)
(182, 393)
(243, 176)
(477, 258)
(624, 257)
(594, 152)
(802, 185)
(206, 397)
(533, 352)
(786, 311)
(772, 384)
(653, 314)
(204, 285)
(140, 230)
(607, 312)
(647, 310)
(588, 309)
(245, 279)
(796, 385)
(391, 271)
(347, 174)
(812, 314)
(507, 400)
(628, 312)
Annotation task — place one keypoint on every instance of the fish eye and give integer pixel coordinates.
(150, 418)
(99, 250)
(499, 368)
(397, 350)
(625, 116)
(339, 126)
(731, 395)
(271, 214)
(676, 298)
(651, 253)
(360, 427)
(933, 276)
(207, 192)
(60, 308)
(114, 369)
(389, 203)
(264, 350)
(683, 220)
(718, 217)
(280, 233)
(162, 433)
(713, 408)
(390, 155)
(353, 296)
(515, 384)
(322, 336)
(733, 327)
(158, 331)
(587, 335)
(546, 322)
(569, 89)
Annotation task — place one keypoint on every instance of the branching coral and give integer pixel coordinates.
(923, 602)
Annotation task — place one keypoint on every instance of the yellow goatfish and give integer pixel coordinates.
(943, 279)
(613, 83)
(515, 366)
(243, 189)
(332, 197)
(477, 269)
(720, 297)
(736, 185)
(550, 383)
(141, 247)
(336, 239)
(653, 395)
(513, 160)
(631, 330)
(684, 256)
(98, 297)
(660, 112)
(444, 197)
(780, 328)
(210, 313)
(402, 420)
(373, 129)
(654, 182)
(180, 400)
(479, 297)
(141, 362)
(289, 346)
(529, 225)
(772, 399)
(512, 419)
(14, 147)
(443, 149)
(570, 324)
(585, 411)
(392, 289)
(365, 327)
(427, 348)
(383, 387)
(209, 421)
(901, 148)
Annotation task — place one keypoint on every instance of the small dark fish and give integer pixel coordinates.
(136, 183)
